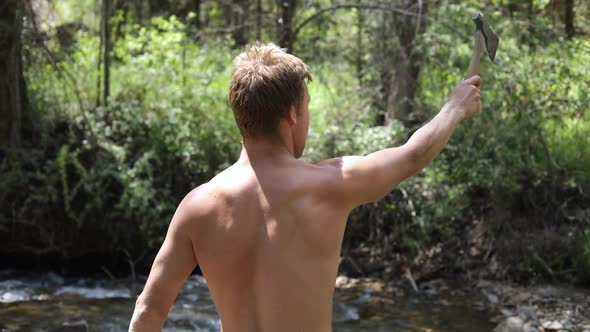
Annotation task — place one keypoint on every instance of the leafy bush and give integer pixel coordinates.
(526, 154)
(105, 179)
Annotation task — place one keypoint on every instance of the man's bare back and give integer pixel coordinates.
(267, 231)
(271, 253)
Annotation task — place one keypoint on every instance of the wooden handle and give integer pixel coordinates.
(478, 48)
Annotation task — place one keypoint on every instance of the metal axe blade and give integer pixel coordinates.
(490, 38)
(486, 38)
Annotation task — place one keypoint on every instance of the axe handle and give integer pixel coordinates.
(478, 48)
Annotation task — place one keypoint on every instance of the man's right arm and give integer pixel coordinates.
(364, 179)
(173, 264)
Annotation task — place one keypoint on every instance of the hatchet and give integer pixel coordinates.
(484, 37)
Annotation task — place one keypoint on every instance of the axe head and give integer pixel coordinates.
(491, 40)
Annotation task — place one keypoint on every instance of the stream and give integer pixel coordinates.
(50, 302)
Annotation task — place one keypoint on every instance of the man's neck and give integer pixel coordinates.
(266, 149)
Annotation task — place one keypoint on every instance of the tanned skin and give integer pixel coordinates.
(267, 231)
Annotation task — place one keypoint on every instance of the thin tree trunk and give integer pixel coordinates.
(239, 9)
(286, 35)
(531, 18)
(235, 17)
(139, 11)
(99, 66)
(570, 29)
(407, 70)
(107, 51)
(359, 45)
(198, 14)
(258, 19)
(12, 85)
(383, 61)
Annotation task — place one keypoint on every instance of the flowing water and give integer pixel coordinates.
(48, 302)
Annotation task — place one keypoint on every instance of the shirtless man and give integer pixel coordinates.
(267, 231)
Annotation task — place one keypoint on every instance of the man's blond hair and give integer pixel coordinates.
(266, 81)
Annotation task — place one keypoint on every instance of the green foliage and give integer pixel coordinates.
(533, 105)
(107, 179)
(120, 170)
(530, 143)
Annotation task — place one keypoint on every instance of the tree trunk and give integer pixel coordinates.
(235, 14)
(407, 70)
(531, 19)
(359, 45)
(258, 19)
(197, 4)
(384, 61)
(12, 84)
(285, 24)
(568, 18)
(239, 11)
(107, 50)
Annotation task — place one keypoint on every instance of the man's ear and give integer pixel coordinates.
(291, 117)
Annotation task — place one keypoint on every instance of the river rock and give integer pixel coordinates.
(341, 281)
(527, 312)
(482, 283)
(530, 327)
(516, 324)
(74, 326)
(493, 298)
(521, 297)
(552, 325)
(511, 324)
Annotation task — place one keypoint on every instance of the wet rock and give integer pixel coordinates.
(511, 324)
(74, 326)
(341, 281)
(527, 313)
(493, 298)
(507, 312)
(549, 292)
(552, 325)
(516, 324)
(530, 327)
(521, 297)
(484, 284)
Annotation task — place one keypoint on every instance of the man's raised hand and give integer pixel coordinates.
(466, 96)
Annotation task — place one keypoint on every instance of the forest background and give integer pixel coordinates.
(111, 111)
